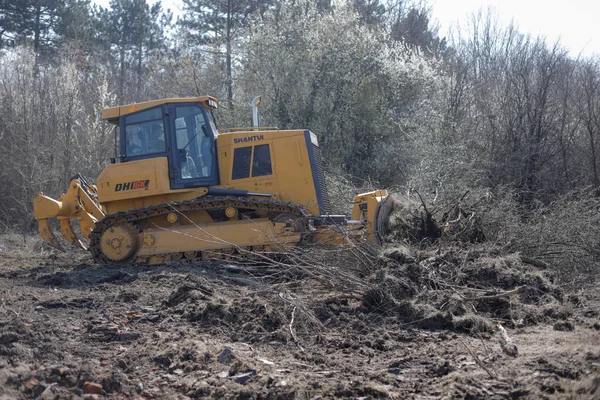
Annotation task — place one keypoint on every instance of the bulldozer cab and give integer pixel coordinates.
(183, 132)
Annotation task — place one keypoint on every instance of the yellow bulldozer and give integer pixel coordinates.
(180, 189)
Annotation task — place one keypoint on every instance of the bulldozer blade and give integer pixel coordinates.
(382, 219)
(47, 234)
(67, 231)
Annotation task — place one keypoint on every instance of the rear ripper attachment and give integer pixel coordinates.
(80, 201)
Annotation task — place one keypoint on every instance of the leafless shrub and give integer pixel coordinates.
(565, 233)
(341, 193)
(22, 244)
(342, 188)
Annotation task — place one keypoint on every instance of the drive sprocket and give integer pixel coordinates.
(119, 242)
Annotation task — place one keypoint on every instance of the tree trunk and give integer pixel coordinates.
(139, 70)
(37, 28)
(590, 130)
(121, 71)
(229, 45)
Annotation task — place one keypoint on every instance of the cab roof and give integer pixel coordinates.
(112, 114)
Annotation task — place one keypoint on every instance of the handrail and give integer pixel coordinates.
(256, 128)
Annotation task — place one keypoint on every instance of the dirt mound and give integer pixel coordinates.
(456, 289)
(462, 289)
(343, 323)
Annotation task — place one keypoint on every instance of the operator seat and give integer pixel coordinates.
(188, 168)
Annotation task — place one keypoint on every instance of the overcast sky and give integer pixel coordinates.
(574, 22)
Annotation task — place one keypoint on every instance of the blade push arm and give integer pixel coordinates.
(373, 209)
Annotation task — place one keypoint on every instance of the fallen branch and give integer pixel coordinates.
(478, 361)
(506, 342)
(497, 296)
(536, 263)
(292, 330)
(42, 395)
(422, 202)
(342, 296)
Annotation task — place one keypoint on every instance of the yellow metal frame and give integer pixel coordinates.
(76, 202)
(112, 114)
(246, 129)
(215, 236)
(143, 183)
(366, 208)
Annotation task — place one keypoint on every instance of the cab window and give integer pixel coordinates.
(252, 158)
(241, 162)
(261, 161)
(145, 133)
(194, 142)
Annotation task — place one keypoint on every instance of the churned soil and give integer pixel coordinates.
(399, 323)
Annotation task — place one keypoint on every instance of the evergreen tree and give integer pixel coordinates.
(134, 31)
(370, 11)
(216, 24)
(30, 20)
(11, 20)
(75, 24)
(415, 28)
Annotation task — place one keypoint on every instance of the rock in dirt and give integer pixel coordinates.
(243, 378)
(163, 361)
(564, 326)
(152, 318)
(91, 387)
(226, 357)
(34, 387)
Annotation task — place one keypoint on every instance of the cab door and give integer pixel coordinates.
(193, 161)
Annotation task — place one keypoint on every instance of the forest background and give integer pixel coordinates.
(511, 118)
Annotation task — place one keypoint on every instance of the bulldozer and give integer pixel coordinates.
(178, 188)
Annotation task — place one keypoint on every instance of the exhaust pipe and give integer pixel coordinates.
(255, 103)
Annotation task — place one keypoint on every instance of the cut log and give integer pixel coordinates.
(536, 263)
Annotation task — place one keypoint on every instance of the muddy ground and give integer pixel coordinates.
(403, 324)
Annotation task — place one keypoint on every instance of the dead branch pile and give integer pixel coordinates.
(457, 289)
(413, 222)
(449, 280)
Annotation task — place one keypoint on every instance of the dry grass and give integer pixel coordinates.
(16, 244)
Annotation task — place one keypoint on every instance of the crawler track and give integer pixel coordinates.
(208, 203)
